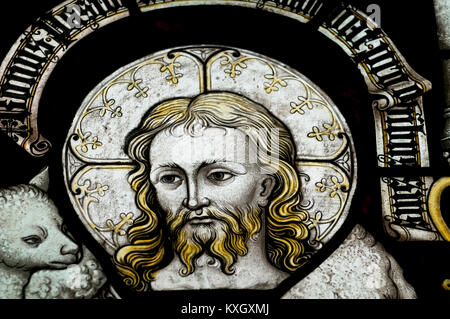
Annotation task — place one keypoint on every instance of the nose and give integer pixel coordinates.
(194, 199)
(194, 204)
(69, 248)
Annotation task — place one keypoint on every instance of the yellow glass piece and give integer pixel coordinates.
(434, 206)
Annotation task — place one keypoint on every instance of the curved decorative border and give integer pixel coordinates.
(31, 60)
(392, 83)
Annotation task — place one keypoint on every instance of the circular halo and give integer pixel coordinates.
(96, 167)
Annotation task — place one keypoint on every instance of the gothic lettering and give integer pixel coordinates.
(402, 128)
(408, 201)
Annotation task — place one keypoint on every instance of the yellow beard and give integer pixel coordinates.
(225, 238)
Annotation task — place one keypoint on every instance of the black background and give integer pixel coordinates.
(411, 26)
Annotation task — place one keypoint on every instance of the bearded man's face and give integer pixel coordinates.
(211, 191)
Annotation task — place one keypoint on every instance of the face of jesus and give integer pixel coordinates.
(208, 196)
(205, 170)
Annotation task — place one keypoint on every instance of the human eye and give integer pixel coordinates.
(169, 179)
(32, 240)
(220, 176)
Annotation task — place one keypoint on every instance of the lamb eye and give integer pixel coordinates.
(33, 240)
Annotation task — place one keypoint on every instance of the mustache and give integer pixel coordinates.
(230, 216)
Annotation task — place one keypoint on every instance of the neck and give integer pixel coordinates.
(12, 282)
(252, 271)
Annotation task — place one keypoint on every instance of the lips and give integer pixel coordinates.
(63, 263)
(201, 220)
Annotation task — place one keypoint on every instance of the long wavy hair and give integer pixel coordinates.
(150, 248)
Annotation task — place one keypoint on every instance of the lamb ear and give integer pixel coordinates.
(41, 180)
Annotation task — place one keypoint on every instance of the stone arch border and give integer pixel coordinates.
(396, 89)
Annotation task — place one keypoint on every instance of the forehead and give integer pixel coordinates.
(23, 211)
(208, 144)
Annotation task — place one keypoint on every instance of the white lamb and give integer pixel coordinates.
(31, 236)
(84, 280)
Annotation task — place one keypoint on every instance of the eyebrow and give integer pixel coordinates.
(202, 165)
(44, 231)
(169, 165)
(218, 161)
(209, 162)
